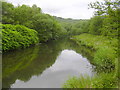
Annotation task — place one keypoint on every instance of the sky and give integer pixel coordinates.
(76, 9)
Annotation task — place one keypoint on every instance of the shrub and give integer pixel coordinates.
(17, 36)
(105, 57)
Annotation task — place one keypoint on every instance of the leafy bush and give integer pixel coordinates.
(17, 36)
(105, 58)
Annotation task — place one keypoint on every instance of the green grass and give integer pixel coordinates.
(82, 82)
(103, 80)
(105, 49)
(105, 59)
(95, 42)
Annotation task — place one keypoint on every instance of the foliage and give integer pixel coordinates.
(72, 26)
(74, 82)
(7, 12)
(18, 15)
(105, 59)
(105, 48)
(79, 27)
(103, 80)
(110, 26)
(95, 25)
(32, 17)
(47, 27)
(105, 8)
(109, 12)
(17, 36)
(104, 23)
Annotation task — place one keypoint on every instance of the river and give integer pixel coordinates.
(46, 65)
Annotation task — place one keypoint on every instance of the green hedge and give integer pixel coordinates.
(17, 36)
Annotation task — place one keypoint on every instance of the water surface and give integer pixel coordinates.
(45, 66)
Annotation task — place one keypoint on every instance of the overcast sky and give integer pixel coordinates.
(76, 9)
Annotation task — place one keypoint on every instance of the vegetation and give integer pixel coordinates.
(105, 21)
(47, 27)
(17, 36)
(106, 49)
(105, 59)
(103, 80)
(23, 26)
(31, 17)
(103, 38)
(73, 27)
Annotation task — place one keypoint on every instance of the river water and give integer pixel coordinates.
(46, 65)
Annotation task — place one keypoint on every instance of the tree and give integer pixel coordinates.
(24, 14)
(7, 13)
(95, 25)
(105, 8)
(47, 27)
(109, 10)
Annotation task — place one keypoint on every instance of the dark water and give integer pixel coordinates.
(46, 65)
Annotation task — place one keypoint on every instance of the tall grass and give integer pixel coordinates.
(82, 82)
(103, 80)
(106, 49)
(105, 59)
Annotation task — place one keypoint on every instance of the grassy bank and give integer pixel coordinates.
(105, 59)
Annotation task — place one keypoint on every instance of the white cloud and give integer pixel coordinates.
(77, 9)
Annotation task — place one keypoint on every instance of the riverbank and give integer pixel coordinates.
(36, 64)
(105, 59)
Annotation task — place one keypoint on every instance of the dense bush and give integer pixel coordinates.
(47, 27)
(17, 36)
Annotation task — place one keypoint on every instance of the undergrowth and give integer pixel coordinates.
(105, 59)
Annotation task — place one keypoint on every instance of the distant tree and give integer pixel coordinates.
(7, 13)
(24, 14)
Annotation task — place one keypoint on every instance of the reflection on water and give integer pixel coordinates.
(67, 64)
(44, 66)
